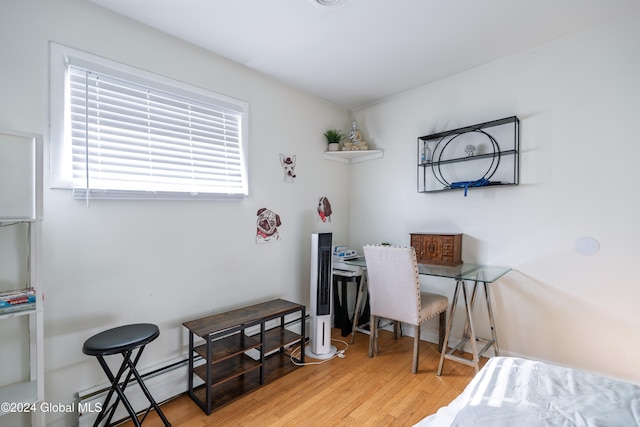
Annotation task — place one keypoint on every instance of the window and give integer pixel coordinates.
(120, 133)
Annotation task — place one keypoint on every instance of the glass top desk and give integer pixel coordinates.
(472, 273)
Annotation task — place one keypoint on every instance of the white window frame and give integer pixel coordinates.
(60, 143)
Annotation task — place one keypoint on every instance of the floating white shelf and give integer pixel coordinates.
(353, 156)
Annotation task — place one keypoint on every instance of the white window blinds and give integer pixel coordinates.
(129, 140)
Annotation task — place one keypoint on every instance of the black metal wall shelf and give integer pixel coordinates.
(481, 155)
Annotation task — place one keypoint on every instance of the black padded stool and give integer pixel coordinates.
(123, 340)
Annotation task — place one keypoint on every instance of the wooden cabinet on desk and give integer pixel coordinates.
(439, 249)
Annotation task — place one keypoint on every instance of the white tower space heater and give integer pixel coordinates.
(320, 311)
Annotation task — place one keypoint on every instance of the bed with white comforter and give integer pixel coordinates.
(514, 392)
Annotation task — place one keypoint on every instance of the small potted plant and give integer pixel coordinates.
(334, 136)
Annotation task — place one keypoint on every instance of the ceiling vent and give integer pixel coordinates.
(329, 2)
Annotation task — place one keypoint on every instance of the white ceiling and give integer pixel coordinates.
(361, 51)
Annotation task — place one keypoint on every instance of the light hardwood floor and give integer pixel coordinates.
(350, 391)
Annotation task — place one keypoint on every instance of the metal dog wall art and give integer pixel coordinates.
(289, 167)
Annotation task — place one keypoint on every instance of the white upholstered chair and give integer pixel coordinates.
(394, 293)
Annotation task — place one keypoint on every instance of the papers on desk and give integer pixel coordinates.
(340, 267)
(341, 253)
(343, 269)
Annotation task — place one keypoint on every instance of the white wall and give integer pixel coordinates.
(167, 262)
(578, 101)
(164, 262)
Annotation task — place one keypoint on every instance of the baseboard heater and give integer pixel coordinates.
(164, 383)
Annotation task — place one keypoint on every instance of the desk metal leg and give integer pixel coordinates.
(469, 334)
(341, 312)
(360, 303)
(472, 331)
(494, 337)
(356, 312)
(445, 343)
(493, 342)
(340, 285)
(465, 333)
(347, 324)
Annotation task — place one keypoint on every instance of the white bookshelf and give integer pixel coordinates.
(20, 224)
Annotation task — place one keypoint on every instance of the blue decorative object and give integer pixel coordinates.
(466, 184)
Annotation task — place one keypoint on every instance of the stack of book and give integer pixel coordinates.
(17, 300)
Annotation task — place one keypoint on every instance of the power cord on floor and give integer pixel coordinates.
(295, 352)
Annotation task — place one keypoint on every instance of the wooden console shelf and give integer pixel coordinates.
(231, 362)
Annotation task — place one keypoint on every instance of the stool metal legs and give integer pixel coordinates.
(127, 363)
